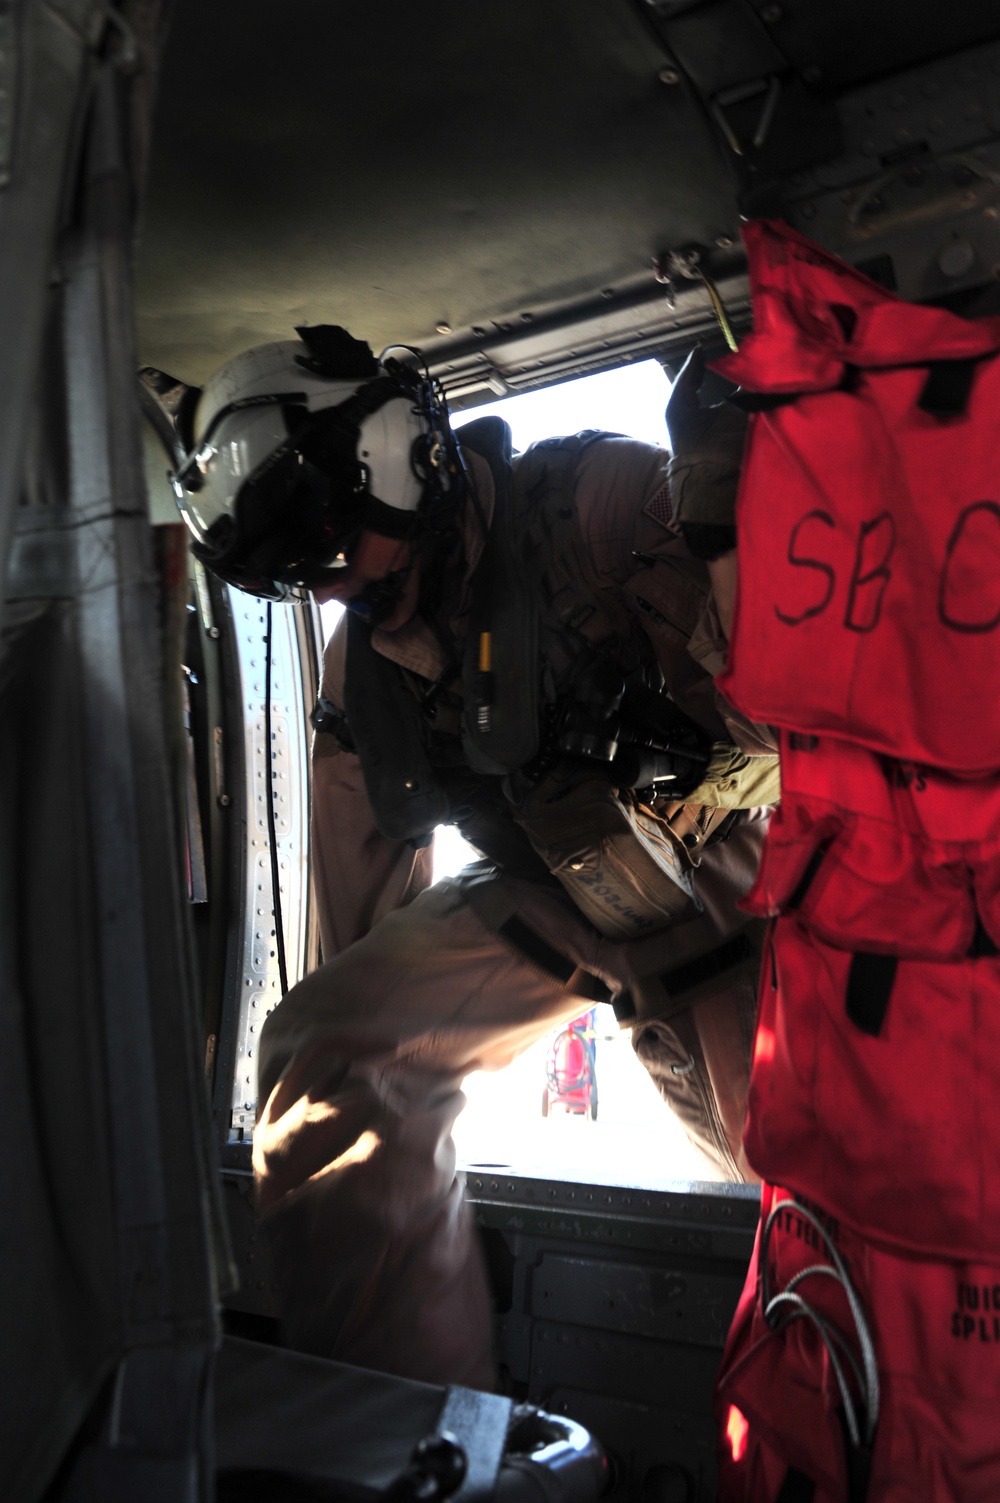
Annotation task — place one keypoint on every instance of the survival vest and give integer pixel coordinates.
(549, 624)
(820, 1302)
(880, 856)
(868, 515)
(873, 1087)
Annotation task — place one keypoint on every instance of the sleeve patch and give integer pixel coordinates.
(660, 508)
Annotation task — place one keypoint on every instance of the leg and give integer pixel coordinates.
(361, 1069)
(699, 1061)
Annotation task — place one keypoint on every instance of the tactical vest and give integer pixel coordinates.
(868, 513)
(551, 632)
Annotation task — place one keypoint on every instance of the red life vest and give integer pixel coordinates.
(877, 855)
(868, 515)
(874, 1087)
(935, 1334)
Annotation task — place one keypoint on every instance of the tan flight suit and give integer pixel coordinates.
(362, 1063)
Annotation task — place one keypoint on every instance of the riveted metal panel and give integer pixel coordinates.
(676, 1301)
(275, 767)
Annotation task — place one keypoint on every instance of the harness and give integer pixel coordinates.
(552, 712)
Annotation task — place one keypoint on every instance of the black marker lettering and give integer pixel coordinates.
(970, 559)
(864, 605)
(801, 562)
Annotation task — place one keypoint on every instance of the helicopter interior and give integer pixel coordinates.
(524, 193)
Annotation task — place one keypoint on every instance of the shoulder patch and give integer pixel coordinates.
(661, 509)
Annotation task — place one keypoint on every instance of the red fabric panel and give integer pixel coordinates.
(902, 856)
(899, 1131)
(936, 1331)
(869, 530)
(789, 1413)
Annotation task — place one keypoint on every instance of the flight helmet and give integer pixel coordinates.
(300, 449)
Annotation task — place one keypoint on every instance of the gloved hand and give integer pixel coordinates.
(706, 444)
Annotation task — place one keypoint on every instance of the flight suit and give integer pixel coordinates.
(362, 1063)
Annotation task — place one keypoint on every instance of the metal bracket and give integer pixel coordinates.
(771, 90)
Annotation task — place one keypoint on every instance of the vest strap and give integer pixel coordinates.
(869, 987)
(796, 1488)
(684, 978)
(947, 388)
(536, 949)
(501, 704)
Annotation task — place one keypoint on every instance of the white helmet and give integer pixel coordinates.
(298, 448)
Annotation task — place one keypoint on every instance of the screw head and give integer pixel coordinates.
(214, 633)
(223, 801)
(443, 327)
(410, 784)
(669, 76)
(724, 242)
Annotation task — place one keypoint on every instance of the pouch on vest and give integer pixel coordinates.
(624, 869)
(880, 856)
(388, 729)
(934, 1326)
(897, 1124)
(868, 516)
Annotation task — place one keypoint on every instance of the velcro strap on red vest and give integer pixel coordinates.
(841, 1101)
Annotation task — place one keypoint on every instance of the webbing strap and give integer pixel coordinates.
(982, 942)
(796, 1488)
(808, 876)
(869, 987)
(536, 949)
(946, 391)
(683, 978)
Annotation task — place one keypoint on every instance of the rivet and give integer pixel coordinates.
(410, 785)
(724, 242)
(443, 327)
(223, 801)
(669, 76)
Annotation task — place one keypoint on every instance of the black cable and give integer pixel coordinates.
(279, 927)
